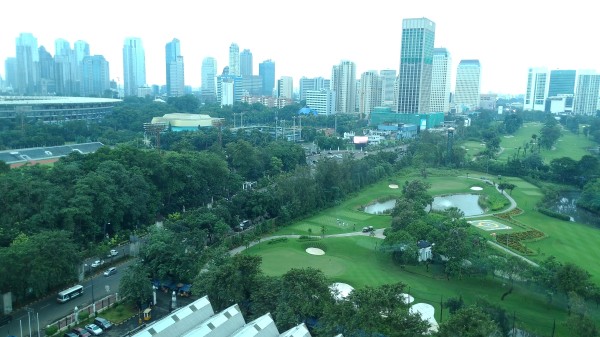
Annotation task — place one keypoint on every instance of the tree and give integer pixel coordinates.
(468, 322)
(570, 277)
(582, 326)
(135, 285)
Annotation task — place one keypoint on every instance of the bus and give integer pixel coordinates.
(70, 293)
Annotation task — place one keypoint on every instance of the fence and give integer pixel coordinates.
(100, 305)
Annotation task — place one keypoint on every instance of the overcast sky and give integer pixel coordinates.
(308, 37)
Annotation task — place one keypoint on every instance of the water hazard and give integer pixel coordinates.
(467, 203)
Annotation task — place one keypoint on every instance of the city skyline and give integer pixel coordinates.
(505, 39)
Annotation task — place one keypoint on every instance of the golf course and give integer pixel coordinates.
(356, 260)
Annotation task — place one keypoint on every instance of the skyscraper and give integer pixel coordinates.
(388, 81)
(27, 64)
(209, 78)
(343, 82)
(266, 71)
(537, 89)
(95, 79)
(440, 81)
(285, 87)
(562, 82)
(315, 84)
(370, 92)
(10, 68)
(134, 65)
(246, 63)
(174, 67)
(82, 49)
(467, 90)
(416, 60)
(234, 59)
(47, 73)
(586, 96)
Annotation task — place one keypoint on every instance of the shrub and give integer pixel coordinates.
(51, 330)
(304, 238)
(278, 240)
(83, 315)
(554, 214)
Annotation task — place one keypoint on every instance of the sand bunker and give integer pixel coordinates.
(476, 188)
(393, 186)
(315, 251)
(340, 290)
(427, 314)
(406, 298)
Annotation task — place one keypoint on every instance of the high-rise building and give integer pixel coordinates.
(316, 83)
(537, 89)
(82, 49)
(266, 71)
(95, 78)
(322, 101)
(10, 68)
(440, 81)
(416, 60)
(252, 85)
(234, 60)
(209, 78)
(27, 65)
(586, 95)
(229, 87)
(343, 82)
(47, 72)
(246, 63)
(467, 90)
(174, 67)
(370, 92)
(562, 82)
(62, 47)
(134, 65)
(388, 81)
(285, 87)
(67, 68)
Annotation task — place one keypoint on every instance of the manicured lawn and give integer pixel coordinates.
(356, 261)
(568, 145)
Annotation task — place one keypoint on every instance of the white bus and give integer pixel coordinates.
(68, 294)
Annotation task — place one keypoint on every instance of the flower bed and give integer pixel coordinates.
(514, 240)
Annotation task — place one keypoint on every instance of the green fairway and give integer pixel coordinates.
(356, 261)
(568, 145)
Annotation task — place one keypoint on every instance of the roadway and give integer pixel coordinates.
(49, 310)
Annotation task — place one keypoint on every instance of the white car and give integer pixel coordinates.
(113, 252)
(97, 263)
(93, 329)
(110, 271)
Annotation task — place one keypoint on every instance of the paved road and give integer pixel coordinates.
(48, 310)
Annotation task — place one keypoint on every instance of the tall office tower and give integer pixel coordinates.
(388, 81)
(27, 64)
(586, 95)
(47, 72)
(322, 101)
(134, 65)
(95, 78)
(252, 85)
(62, 47)
(246, 63)
(562, 82)
(285, 87)
(370, 92)
(175, 76)
(343, 82)
(82, 49)
(467, 91)
(234, 59)
(416, 60)
(66, 69)
(316, 83)
(440, 81)
(10, 68)
(229, 87)
(266, 71)
(537, 89)
(209, 78)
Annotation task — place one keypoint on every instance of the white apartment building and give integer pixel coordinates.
(467, 90)
(538, 83)
(370, 92)
(440, 81)
(322, 101)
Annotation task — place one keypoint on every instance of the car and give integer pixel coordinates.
(103, 323)
(110, 271)
(81, 332)
(70, 334)
(113, 253)
(94, 329)
(97, 263)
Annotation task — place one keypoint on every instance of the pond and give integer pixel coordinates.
(566, 204)
(465, 202)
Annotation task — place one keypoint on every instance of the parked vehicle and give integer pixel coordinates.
(97, 263)
(103, 323)
(81, 332)
(93, 329)
(113, 253)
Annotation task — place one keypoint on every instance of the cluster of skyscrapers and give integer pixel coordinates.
(562, 91)
(421, 86)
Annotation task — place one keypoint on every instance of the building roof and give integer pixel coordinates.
(45, 153)
(423, 244)
(49, 100)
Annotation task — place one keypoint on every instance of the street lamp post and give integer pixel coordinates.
(93, 298)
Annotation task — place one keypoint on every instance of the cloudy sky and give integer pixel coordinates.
(308, 37)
